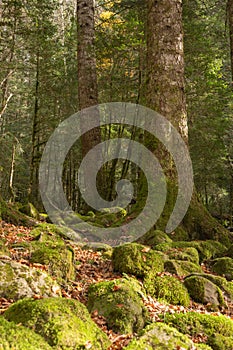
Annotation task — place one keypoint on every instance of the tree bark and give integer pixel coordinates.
(165, 94)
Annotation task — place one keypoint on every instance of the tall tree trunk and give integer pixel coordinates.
(87, 80)
(166, 95)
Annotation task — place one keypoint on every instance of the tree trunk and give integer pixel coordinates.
(165, 94)
(87, 84)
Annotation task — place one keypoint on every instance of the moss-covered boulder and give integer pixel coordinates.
(219, 342)
(185, 254)
(152, 238)
(138, 260)
(30, 210)
(162, 337)
(193, 323)
(57, 257)
(206, 249)
(167, 288)
(17, 337)
(9, 213)
(120, 303)
(49, 232)
(64, 323)
(18, 281)
(204, 291)
(224, 267)
(221, 282)
(181, 267)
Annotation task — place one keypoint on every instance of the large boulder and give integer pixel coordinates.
(138, 260)
(160, 336)
(64, 323)
(120, 303)
(17, 337)
(167, 288)
(18, 281)
(204, 291)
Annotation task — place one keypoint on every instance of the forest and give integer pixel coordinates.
(129, 246)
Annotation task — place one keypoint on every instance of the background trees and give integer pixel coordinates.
(41, 85)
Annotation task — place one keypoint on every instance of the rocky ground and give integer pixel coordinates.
(134, 293)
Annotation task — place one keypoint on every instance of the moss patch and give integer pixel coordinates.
(167, 288)
(152, 238)
(119, 302)
(219, 342)
(138, 260)
(185, 254)
(160, 336)
(193, 323)
(63, 323)
(17, 337)
(181, 268)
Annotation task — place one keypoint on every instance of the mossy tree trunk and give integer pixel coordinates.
(166, 95)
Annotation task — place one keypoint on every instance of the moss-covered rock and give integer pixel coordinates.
(193, 323)
(138, 260)
(30, 210)
(160, 336)
(221, 282)
(181, 267)
(49, 232)
(57, 257)
(152, 238)
(219, 342)
(206, 249)
(185, 254)
(18, 281)
(204, 291)
(9, 213)
(223, 267)
(64, 323)
(120, 303)
(17, 337)
(167, 288)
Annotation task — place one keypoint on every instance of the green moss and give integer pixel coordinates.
(138, 260)
(185, 254)
(221, 282)
(181, 268)
(30, 210)
(63, 323)
(204, 291)
(9, 213)
(160, 336)
(167, 288)
(224, 267)
(120, 303)
(193, 323)
(17, 337)
(179, 234)
(219, 342)
(57, 257)
(203, 346)
(152, 238)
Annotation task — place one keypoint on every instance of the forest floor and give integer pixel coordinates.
(94, 268)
